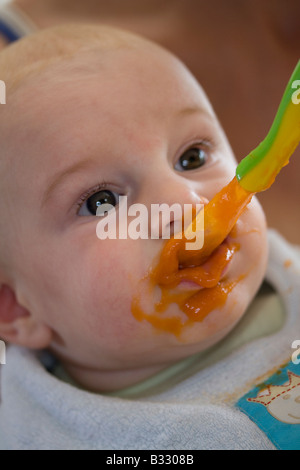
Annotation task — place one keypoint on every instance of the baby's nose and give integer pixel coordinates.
(175, 213)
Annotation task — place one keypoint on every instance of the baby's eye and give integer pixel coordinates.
(91, 204)
(192, 159)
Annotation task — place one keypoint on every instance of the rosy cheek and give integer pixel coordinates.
(108, 277)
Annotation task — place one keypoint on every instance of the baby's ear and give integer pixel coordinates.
(18, 326)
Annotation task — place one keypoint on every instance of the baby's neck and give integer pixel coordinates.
(99, 381)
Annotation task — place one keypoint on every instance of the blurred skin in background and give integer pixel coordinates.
(242, 51)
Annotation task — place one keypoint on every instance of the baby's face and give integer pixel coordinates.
(138, 126)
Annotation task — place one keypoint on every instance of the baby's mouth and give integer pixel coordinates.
(206, 274)
(197, 288)
(211, 272)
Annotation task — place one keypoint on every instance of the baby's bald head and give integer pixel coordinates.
(52, 56)
(41, 51)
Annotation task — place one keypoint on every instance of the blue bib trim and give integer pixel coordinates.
(8, 32)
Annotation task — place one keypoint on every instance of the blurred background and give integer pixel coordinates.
(242, 52)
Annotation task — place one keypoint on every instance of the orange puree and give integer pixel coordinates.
(205, 267)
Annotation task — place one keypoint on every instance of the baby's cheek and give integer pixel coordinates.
(108, 282)
(249, 265)
(254, 232)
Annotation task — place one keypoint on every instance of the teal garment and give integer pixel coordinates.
(275, 407)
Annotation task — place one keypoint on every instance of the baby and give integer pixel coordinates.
(93, 114)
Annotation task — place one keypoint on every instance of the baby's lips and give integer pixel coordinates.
(209, 273)
(205, 275)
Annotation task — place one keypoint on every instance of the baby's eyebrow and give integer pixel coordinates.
(61, 176)
(192, 110)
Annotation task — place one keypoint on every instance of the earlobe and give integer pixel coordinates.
(18, 326)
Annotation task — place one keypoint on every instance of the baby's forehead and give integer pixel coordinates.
(55, 94)
(47, 48)
(53, 56)
(155, 71)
